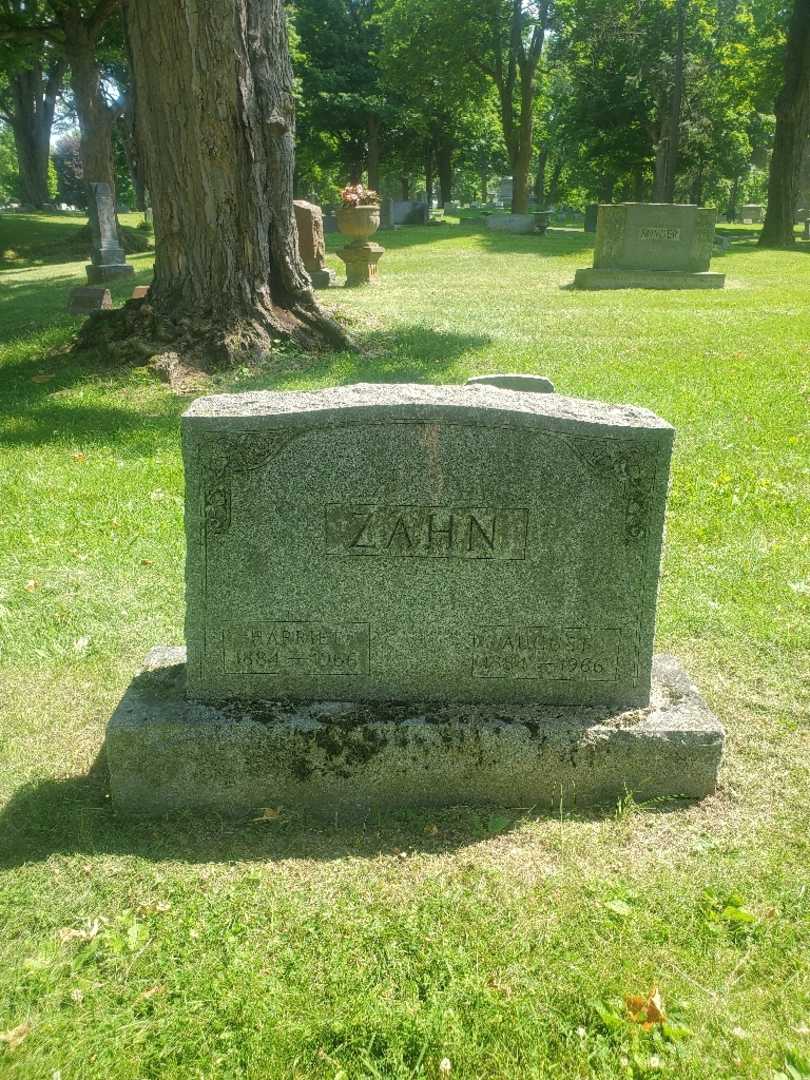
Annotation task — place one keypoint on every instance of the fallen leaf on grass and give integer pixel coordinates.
(79, 456)
(32, 585)
(268, 813)
(431, 830)
(619, 907)
(84, 933)
(14, 1036)
(647, 1011)
(80, 644)
(152, 991)
(43, 377)
(147, 562)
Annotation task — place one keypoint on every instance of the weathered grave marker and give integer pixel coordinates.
(416, 594)
(309, 222)
(88, 298)
(653, 246)
(108, 260)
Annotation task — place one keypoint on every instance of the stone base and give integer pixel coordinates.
(590, 278)
(110, 272)
(512, 223)
(361, 262)
(323, 278)
(168, 753)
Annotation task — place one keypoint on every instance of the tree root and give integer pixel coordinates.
(140, 332)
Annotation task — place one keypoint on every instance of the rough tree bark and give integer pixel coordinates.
(96, 119)
(792, 126)
(668, 147)
(28, 108)
(429, 173)
(216, 82)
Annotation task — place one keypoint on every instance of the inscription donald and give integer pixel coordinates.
(427, 531)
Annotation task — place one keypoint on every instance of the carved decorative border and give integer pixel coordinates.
(228, 458)
(631, 464)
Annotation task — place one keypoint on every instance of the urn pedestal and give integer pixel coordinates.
(361, 255)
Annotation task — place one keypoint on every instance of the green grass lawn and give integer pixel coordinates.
(500, 940)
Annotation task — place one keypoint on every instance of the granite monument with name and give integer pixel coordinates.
(107, 258)
(85, 299)
(311, 244)
(416, 594)
(652, 246)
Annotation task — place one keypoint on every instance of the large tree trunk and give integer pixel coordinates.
(667, 151)
(522, 157)
(32, 96)
(95, 117)
(215, 81)
(792, 125)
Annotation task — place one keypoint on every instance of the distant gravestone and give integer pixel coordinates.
(652, 245)
(527, 384)
(387, 213)
(591, 212)
(752, 214)
(806, 233)
(89, 298)
(409, 212)
(107, 256)
(148, 216)
(512, 223)
(309, 222)
(330, 222)
(415, 595)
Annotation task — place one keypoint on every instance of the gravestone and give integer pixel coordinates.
(148, 216)
(591, 211)
(387, 213)
(89, 298)
(409, 212)
(806, 233)
(652, 246)
(107, 256)
(512, 223)
(330, 222)
(140, 292)
(412, 594)
(309, 222)
(752, 214)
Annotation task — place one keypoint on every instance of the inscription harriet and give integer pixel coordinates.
(427, 531)
(291, 648)
(659, 232)
(542, 652)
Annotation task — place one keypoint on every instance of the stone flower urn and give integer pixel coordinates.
(358, 222)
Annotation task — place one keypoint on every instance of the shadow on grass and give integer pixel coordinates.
(36, 413)
(75, 816)
(555, 241)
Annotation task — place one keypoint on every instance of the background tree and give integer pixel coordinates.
(216, 83)
(792, 110)
(336, 48)
(31, 75)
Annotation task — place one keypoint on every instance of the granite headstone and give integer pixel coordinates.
(108, 260)
(422, 543)
(309, 222)
(652, 245)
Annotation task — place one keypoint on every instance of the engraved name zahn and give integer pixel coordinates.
(427, 531)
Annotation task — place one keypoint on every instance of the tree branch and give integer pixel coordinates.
(10, 31)
(102, 11)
